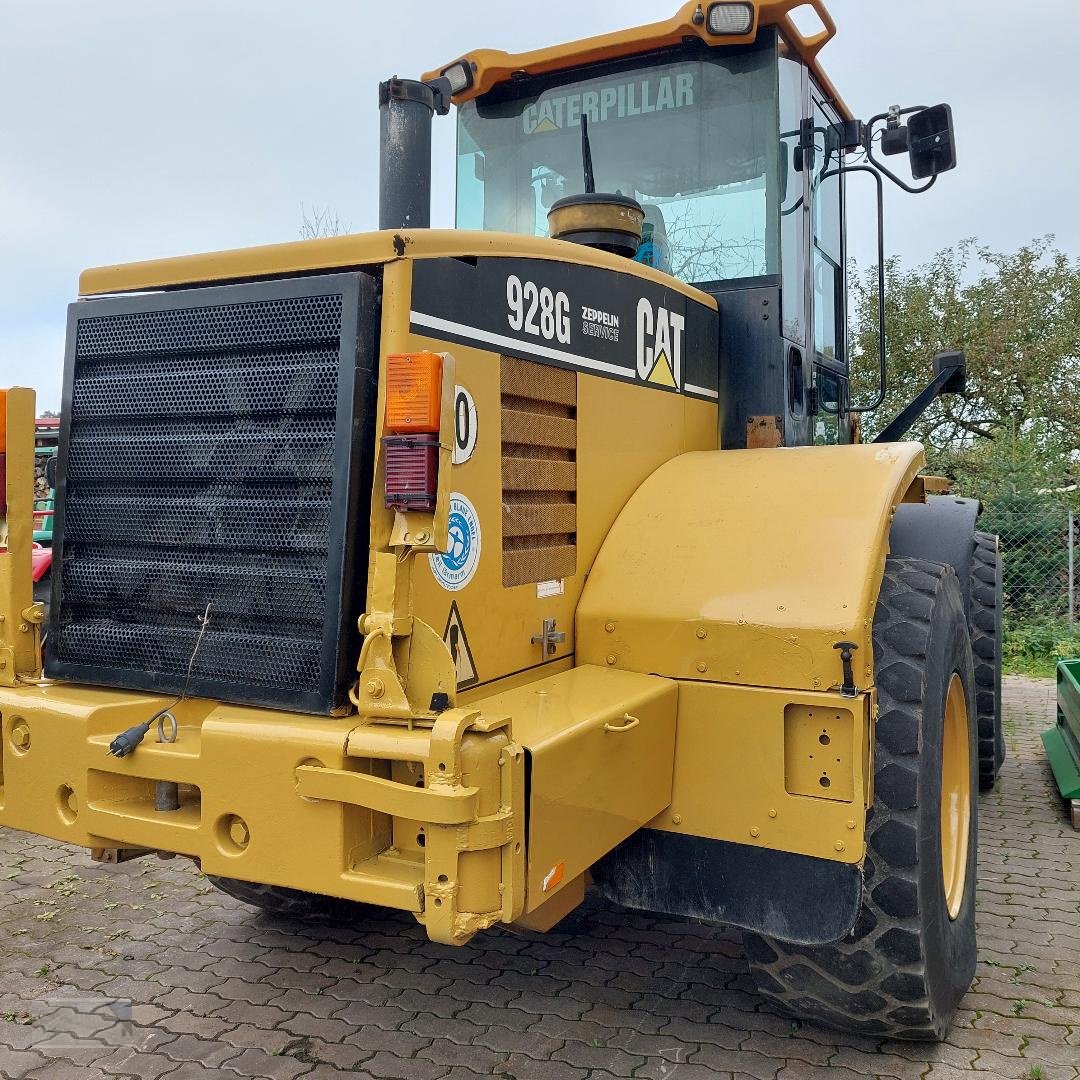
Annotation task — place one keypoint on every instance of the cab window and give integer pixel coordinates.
(828, 246)
(692, 139)
(831, 405)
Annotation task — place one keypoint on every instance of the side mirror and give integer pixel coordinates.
(951, 367)
(50, 472)
(932, 142)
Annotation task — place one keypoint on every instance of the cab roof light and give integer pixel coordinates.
(731, 19)
(413, 393)
(459, 76)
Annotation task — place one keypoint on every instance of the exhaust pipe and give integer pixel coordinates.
(406, 107)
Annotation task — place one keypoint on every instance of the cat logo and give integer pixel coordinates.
(659, 345)
(639, 97)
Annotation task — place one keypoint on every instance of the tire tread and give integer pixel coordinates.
(984, 619)
(891, 995)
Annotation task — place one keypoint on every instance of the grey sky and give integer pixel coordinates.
(134, 130)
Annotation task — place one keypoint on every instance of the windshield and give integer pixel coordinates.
(693, 140)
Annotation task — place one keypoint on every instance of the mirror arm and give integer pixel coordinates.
(882, 384)
(868, 146)
(948, 380)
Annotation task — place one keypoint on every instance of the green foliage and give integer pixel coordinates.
(1024, 486)
(1035, 647)
(1011, 439)
(1017, 316)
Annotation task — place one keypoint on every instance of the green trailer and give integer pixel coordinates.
(1062, 742)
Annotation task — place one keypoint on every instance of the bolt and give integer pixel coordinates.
(839, 845)
(851, 824)
(238, 832)
(702, 666)
(755, 831)
(20, 736)
(676, 819)
(375, 688)
(772, 813)
(701, 632)
(422, 538)
(23, 627)
(609, 627)
(611, 659)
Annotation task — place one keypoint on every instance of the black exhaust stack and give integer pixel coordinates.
(406, 107)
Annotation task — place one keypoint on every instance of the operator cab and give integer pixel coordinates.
(723, 126)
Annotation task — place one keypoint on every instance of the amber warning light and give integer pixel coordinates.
(413, 393)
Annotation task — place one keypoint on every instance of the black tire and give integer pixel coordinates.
(286, 903)
(905, 965)
(984, 619)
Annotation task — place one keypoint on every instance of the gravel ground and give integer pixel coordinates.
(145, 971)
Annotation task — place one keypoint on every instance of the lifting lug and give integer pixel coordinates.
(846, 649)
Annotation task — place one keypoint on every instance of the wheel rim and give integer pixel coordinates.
(955, 797)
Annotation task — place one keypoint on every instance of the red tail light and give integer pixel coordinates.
(412, 471)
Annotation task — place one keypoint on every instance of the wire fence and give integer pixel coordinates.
(1039, 556)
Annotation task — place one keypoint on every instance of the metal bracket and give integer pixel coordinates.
(549, 638)
(34, 614)
(378, 690)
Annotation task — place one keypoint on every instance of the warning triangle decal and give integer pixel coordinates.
(661, 372)
(545, 125)
(458, 644)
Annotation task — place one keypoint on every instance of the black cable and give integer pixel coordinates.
(127, 741)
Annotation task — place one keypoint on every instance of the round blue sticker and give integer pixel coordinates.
(454, 569)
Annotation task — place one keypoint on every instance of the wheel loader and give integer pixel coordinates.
(464, 572)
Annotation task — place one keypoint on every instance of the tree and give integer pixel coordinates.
(321, 221)
(1017, 316)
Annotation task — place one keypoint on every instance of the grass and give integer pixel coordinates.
(1034, 647)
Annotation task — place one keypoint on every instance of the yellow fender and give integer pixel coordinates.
(748, 566)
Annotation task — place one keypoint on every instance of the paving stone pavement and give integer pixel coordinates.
(216, 990)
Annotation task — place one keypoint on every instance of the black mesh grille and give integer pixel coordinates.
(209, 456)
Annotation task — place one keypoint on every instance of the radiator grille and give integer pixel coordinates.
(208, 456)
(539, 472)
